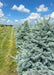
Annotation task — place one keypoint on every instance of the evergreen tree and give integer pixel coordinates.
(37, 49)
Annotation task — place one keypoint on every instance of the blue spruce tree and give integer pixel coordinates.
(36, 44)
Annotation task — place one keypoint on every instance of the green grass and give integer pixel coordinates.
(7, 49)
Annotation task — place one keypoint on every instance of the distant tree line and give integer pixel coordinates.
(2, 25)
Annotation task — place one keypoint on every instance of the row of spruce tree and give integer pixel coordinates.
(36, 45)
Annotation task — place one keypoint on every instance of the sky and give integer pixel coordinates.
(18, 11)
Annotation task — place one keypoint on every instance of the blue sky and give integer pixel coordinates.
(17, 11)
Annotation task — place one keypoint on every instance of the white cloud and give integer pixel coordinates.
(34, 16)
(52, 15)
(1, 4)
(21, 8)
(42, 8)
(8, 21)
(14, 7)
(16, 20)
(1, 13)
(2, 19)
(31, 18)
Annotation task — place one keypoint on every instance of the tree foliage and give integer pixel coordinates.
(36, 45)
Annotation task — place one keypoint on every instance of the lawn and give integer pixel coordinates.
(7, 49)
